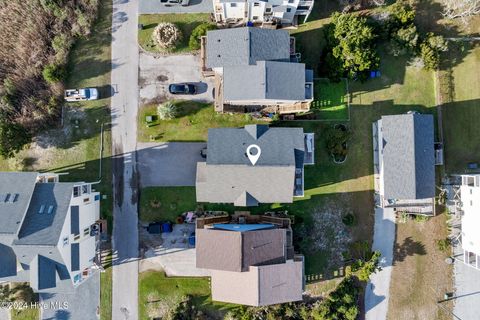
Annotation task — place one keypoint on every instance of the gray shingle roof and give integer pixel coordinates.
(265, 80)
(245, 46)
(408, 156)
(12, 213)
(237, 251)
(45, 228)
(229, 145)
(228, 176)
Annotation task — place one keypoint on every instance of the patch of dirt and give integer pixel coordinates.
(420, 276)
(162, 78)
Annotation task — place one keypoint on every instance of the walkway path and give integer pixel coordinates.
(124, 113)
(377, 291)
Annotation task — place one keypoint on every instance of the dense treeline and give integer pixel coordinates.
(36, 37)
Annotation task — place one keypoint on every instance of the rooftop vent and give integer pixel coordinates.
(9, 198)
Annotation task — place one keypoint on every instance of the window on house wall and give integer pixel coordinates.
(76, 237)
(65, 241)
(76, 191)
(291, 1)
(233, 4)
(256, 4)
(255, 18)
(85, 188)
(289, 9)
(268, 9)
(86, 231)
(86, 200)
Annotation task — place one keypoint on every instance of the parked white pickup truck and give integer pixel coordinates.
(72, 95)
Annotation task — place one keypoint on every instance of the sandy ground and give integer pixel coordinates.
(420, 276)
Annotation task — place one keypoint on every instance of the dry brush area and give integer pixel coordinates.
(36, 37)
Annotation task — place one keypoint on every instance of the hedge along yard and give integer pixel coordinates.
(185, 22)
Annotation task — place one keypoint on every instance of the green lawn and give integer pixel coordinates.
(191, 125)
(160, 204)
(106, 289)
(25, 314)
(186, 23)
(460, 116)
(156, 289)
(331, 100)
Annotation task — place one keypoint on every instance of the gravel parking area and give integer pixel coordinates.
(82, 305)
(168, 164)
(156, 6)
(157, 72)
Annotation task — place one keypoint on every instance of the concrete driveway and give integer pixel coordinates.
(168, 164)
(377, 291)
(156, 6)
(157, 72)
(174, 255)
(82, 304)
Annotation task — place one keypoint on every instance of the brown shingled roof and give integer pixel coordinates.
(237, 251)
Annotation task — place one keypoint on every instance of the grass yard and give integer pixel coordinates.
(420, 276)
(191, 125)
(172, 201)
(186, 23)
(156, 291)
(331, 100)
(106, 289)
(460, 116)
(25, 314)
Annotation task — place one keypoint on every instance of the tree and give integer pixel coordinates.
(461, 9)
(166, 35)
(197, 33)
(430, 50)
(53, 73)
(167, 111)
(13, 137)
(355, 47)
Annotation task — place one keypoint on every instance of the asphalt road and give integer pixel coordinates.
(195, 6)
(377, 291)
(124, 103)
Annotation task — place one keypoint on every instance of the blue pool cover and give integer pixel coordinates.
(242, 227)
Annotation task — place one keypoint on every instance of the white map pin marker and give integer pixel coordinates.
(253, 157)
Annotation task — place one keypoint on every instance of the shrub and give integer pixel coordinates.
(197, 33)
(53, 73)
(443, 244)
(335, 141)
(430, 50)
(167, 111)
(167, 35)
(349, 220)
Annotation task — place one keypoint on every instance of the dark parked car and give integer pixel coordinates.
(203, 153)
(182, 88)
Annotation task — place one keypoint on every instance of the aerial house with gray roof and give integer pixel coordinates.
(230, 176)
(256, 69)
(404, 162)
(48, 231)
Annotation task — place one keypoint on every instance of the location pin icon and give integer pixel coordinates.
(253, 157)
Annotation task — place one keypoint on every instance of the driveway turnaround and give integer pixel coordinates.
(81, 305)
(124, 106)
(157, 6)
(157, 72)
(467, 289)
(377, 291)
(168, 164)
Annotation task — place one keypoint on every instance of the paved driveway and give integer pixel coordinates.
(157, 72)
(82, 305)
(377, 291)
(155, 6)
(168, 164)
